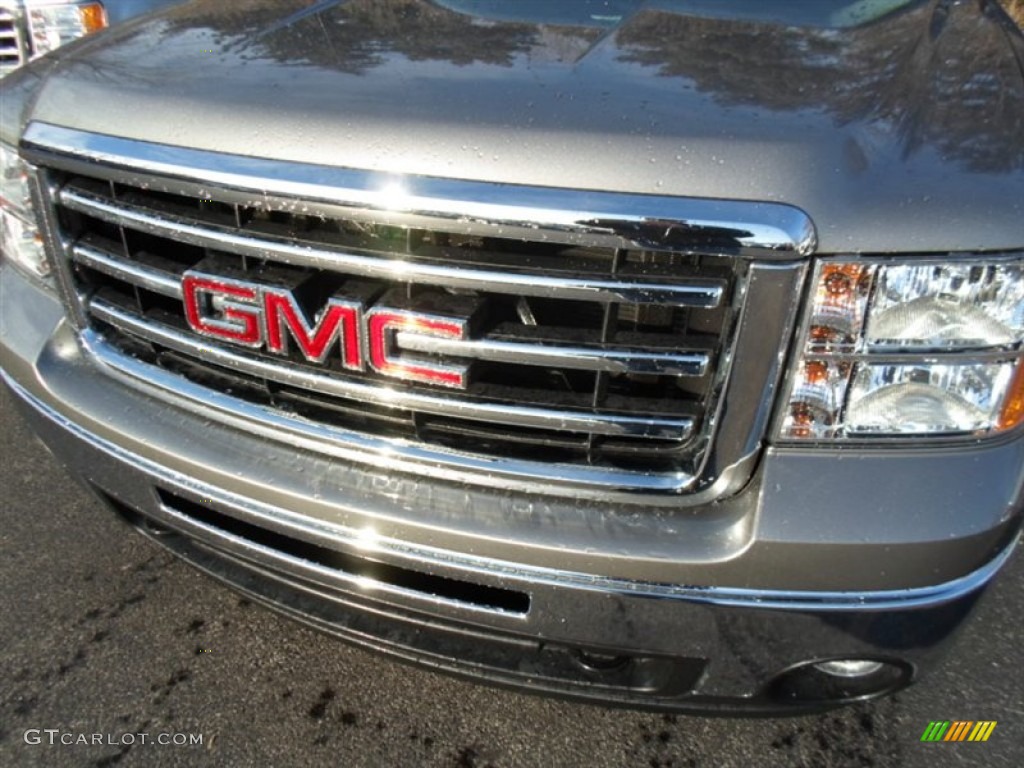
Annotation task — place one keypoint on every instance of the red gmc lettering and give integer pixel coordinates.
(256, 316)
(241, 323)
(339, 319)
(382, 325)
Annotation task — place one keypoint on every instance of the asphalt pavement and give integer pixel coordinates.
(104, 638)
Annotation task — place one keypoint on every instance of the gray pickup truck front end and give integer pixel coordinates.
(535, 350)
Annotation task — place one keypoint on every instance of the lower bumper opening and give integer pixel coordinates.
(478, 595)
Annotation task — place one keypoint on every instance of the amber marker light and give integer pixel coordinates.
(801, 421)
(93, 17)
(1013, 407)
(816, 372)
(839, 280)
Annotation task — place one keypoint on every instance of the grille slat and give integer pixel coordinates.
(532, 351)
(583, 358)
(703, 293)
(133, 272)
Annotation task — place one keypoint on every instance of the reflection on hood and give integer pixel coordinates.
(916, 73)
(941, 76)
(357, 36)
(913, 74)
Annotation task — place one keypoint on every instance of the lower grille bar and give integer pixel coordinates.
(599, 483)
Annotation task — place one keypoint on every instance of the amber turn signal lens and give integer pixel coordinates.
(94, 18)
(1013, 406)
(840, 280)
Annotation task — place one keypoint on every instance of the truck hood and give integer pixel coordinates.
(904, 133)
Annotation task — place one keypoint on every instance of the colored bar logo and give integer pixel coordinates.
(958, 730)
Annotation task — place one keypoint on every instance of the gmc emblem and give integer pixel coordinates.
(268, 317)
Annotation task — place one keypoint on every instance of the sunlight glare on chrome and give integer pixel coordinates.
(367, 539)
(395, 196)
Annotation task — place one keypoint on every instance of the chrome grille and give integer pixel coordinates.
(601, 357)
(560, 351)
(11, 49)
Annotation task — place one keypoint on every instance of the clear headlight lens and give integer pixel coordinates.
(20, 241)
(52, 26)
(14, 189)
(947, 305)
(904, 350)
(925, 399)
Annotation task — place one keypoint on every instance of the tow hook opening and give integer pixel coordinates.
(839, 681)
(600, 662)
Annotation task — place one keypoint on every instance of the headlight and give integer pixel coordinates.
(894, 349)
(20, 241)
(53, 25)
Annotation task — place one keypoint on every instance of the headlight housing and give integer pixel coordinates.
(20, 240)
(922, 348)
(54, 24)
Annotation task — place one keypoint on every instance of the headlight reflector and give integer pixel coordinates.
(20, 240)
(926, 399)
(898, 349)
(947, 305)
(52, 26)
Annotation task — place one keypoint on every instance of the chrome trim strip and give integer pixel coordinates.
(698, 293)
(878, 600)
(757, 229)
(611, 360)
(600, 483)
(513, 573)
(129, 271)
(57, 248)
(516, 415)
